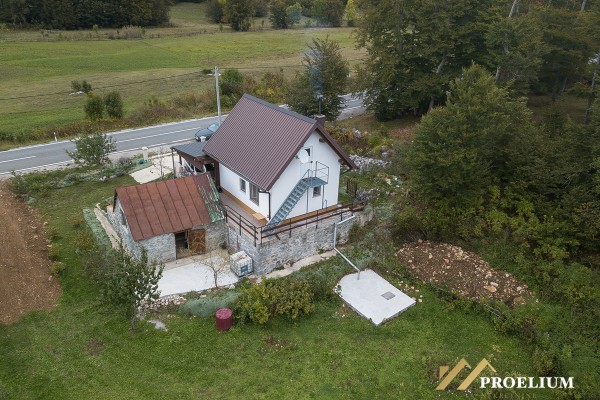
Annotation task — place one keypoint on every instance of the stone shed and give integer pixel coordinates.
(172, 219)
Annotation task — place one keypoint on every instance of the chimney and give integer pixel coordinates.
(320, 120)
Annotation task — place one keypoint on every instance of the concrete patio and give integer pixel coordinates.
(193, 274)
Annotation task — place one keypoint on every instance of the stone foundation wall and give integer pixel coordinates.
(216, 235)
(160, 248)
(304, 242)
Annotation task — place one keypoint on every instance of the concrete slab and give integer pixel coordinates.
(194, 276)
(161, 165)
(373, 297)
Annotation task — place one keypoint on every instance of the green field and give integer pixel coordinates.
(37, 68)
(82, 350)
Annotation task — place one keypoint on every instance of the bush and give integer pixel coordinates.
(287, 297)
(94, 107)
(76, 86)
(207, 306)
(57, 268)
(215, 11)
(86, 87)
(54, 253)
(114, 105)
(97, 230)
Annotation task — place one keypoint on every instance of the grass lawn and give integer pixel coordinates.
(83, 350)
(37, 70)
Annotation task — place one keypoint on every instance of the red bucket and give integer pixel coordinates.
(224, 319)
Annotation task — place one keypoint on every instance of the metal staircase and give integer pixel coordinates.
(310, 179)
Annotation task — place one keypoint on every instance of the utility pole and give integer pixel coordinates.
(218, 95)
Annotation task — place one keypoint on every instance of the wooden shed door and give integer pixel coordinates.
(197, 241)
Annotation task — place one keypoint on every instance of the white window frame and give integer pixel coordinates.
(242, 185)
(320, 191)
(254, 188)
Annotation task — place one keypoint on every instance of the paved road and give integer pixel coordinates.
(128, 141)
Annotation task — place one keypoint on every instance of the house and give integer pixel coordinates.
(172, 219)
(276, 163)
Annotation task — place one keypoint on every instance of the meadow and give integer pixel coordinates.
(84, 350)
(37, 67)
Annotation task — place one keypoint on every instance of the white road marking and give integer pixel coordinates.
(17, 159)
(38, 167)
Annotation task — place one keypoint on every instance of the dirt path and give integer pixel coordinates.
(26, 283)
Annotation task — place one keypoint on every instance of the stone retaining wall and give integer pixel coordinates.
(304, 242)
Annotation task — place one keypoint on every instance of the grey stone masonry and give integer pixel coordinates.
(160, 248)
(303, 242)
(216, 234)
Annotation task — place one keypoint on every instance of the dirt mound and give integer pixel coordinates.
(461, 272)
(26, 283)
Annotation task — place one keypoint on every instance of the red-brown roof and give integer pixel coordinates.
(169, 206)
(258, 140)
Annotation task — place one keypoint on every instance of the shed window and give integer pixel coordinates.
(317, 191)
(242, 185)
(254, 193)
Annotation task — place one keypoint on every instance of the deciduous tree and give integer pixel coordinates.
(130, 282)
(92, 150)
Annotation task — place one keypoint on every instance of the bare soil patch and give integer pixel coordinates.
(26, 283)
(461, 272)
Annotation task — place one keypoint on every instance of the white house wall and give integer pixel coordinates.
(230, 181)
(321, 152)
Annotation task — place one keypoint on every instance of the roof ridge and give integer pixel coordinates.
(280, 109)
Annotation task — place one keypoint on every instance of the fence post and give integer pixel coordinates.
(290, 225)
(240, 222)
(255, 236)
(317, 224)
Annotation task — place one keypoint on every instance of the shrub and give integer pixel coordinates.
(215, 11)
(86, 87)
(114, 105)
(76, 86)
(57, 268)
(206, 306)
(54, 253)
(94, 107)
(287, 297)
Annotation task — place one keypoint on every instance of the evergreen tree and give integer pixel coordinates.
(322, 83)
(479, 140)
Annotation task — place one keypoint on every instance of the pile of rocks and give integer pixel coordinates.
(171, 300)
(461, 272)
(365, 162)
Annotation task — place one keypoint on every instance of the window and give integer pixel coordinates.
(317, 191)
(254, 193)
(242, 185)
(122, 215)
(305, 155)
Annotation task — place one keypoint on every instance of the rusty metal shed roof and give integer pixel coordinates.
(258, 140)
(169, 206)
